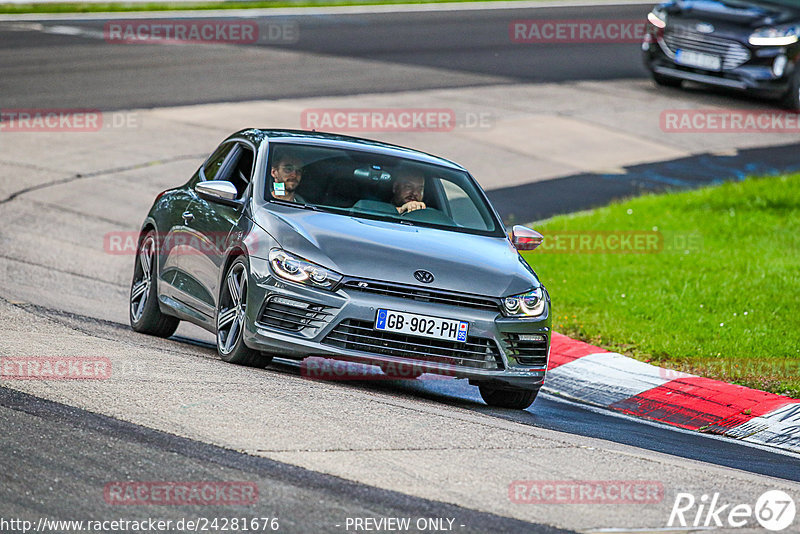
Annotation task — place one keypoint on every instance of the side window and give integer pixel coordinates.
(242, 169)
(462, 208)
(215, 161)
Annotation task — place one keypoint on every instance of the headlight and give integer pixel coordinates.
(658, 17)
(530, 304)
(290, 267)
(775, 35)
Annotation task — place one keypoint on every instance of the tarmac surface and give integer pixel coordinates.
(321, 451)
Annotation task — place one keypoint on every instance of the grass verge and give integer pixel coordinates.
(709, 284)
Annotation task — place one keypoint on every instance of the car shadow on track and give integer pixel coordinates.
(551, 413)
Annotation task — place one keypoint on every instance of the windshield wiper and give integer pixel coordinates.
(296, 204)
(312, 207)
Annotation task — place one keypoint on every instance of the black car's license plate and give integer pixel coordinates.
(698, 59)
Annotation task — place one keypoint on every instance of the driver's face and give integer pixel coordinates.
(290, 172)
(409, 189)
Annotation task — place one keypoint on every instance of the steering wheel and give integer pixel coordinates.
(429, 210)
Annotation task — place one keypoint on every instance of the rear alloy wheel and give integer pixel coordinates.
(516, 399)
(144, 313)
(231, 318)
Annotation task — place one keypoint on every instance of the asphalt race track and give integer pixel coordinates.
(319, 452)
(398, 52)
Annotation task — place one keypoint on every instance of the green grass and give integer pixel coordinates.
(724, 304)
(78, 7)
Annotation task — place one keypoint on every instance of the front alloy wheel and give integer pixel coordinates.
(232, 316)
(516, 399)
(144, 313)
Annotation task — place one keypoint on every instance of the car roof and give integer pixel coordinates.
(257, 136)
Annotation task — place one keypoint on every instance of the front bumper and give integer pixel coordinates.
(755, 75)
(492, 354)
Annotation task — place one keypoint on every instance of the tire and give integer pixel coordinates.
(516, 399)
(791, 100)
(143, 312)
(231, 318)
(666, 81)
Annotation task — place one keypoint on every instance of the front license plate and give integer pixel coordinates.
(421, 325)
(698, 59)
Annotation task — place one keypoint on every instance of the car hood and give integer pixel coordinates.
(392, 252)
(733, 12)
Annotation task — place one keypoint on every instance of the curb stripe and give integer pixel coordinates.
(604, 379)
(595, 376)
(564, 349)
(780, 428)
(698, 402)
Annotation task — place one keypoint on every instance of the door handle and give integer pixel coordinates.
(188, 216)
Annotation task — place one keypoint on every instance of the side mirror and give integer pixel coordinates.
(523, 238)
(219, 190)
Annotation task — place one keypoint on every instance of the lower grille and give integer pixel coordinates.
(527, 349)
(477, 352)
(292, 314)
(733, 53)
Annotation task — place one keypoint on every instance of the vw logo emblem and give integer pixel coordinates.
(704, 27)
(423, 276)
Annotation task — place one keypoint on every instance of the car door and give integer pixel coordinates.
(172, 206)
(208, 226)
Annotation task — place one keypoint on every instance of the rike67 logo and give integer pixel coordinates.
(774, 510)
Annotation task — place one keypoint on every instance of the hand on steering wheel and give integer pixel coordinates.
(408, 207)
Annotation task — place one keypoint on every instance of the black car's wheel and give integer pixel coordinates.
(517, 399)
(231, 316)
(144, 313)
(666, 81)
(791, 99)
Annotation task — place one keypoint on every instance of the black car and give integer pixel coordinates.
(750, 45)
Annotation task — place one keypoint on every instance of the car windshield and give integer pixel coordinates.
(376, 186)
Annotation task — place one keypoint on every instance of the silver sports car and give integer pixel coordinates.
(298, 244)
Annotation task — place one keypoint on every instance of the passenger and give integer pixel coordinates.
(408, 190)
(287, 172)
